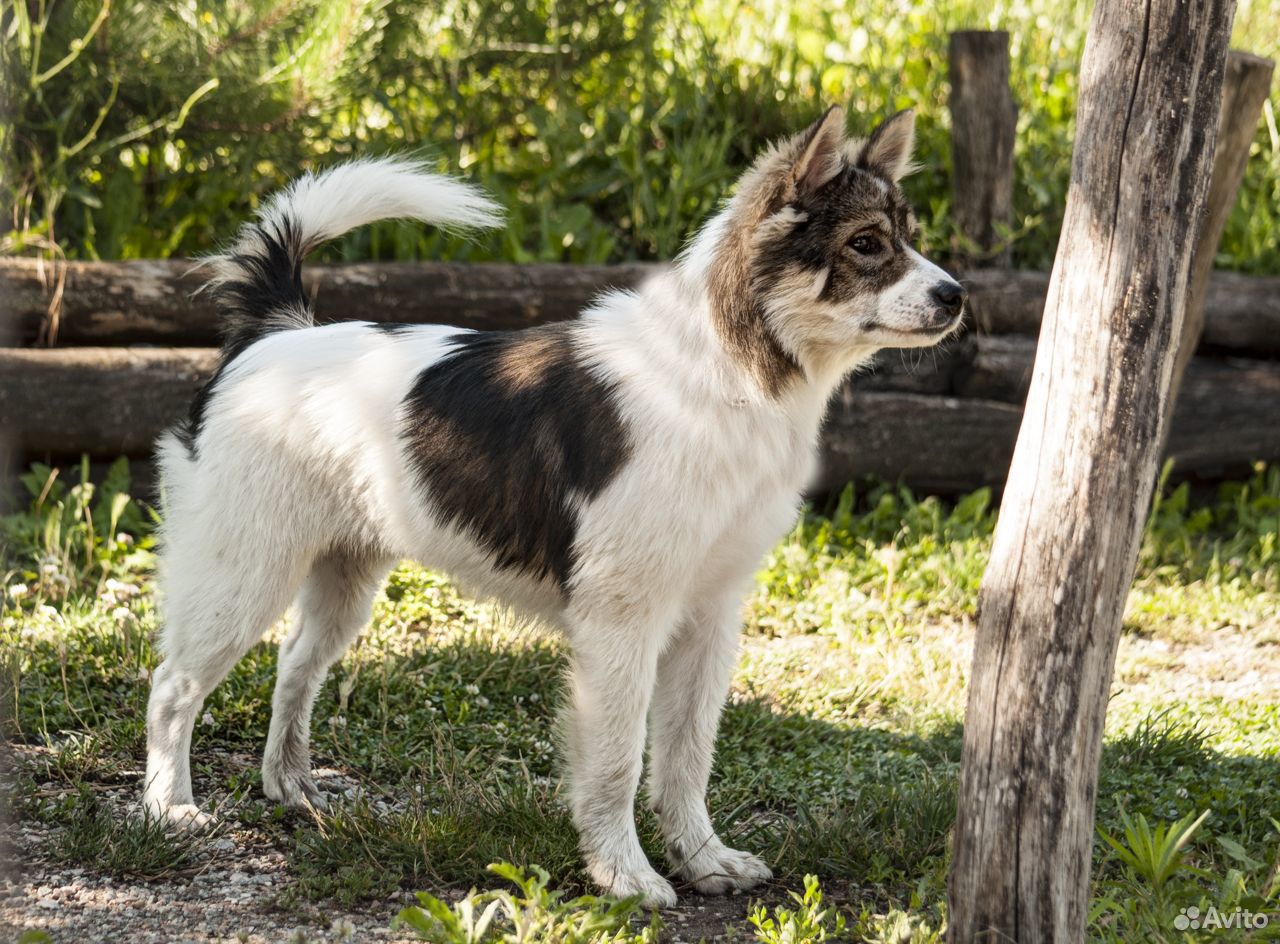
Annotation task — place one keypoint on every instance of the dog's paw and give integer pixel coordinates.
(655, 890)
(186, 816)
(293, 788)
(715, 869)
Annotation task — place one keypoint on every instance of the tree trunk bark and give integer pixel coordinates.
(1083, 471)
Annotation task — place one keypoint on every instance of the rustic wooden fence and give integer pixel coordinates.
(104, 356)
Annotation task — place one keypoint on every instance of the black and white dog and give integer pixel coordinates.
(619, 476)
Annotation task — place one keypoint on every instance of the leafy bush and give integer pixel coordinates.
(807, 923)
(77, 535)
(138, 129)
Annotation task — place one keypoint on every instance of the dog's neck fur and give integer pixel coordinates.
(749, 367)
(668, 330)
(716, 268)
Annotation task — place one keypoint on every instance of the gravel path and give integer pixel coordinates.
(228, 896)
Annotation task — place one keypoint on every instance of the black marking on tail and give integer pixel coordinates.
(268, 297)
(271, 286)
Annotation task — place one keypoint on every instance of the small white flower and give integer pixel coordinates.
(124, 539)
(18, 591)
(533, 698)
(121, 590)
(206, 719)
(472, 689)
(121, 614)
(482, 701)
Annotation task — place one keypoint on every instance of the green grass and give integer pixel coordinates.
(144, 129)
(838, 753)
(132, 847)
(534, 914)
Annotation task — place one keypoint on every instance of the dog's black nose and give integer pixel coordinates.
(950, 296)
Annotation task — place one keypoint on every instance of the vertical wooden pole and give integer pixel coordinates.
(1083, 470)
(1244, 90)
(984, 121)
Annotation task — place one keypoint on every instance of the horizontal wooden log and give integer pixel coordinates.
(1228, 410)
(935, 444)
(999, 370)
(105, 401)
(151, 302)
(154, 301)
(1242, 312)
(929, 371)
(946, 423)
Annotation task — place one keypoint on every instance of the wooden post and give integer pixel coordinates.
(1244, 90)
(984, 121)
(1083, 471)
(8, 435)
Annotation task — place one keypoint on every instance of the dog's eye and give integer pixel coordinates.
(865, 244)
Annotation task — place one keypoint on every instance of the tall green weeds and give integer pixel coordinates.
(141, 129)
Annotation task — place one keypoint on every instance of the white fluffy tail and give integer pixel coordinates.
(350, 195)
(257, 281)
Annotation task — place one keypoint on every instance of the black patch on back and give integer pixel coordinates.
(504, 432)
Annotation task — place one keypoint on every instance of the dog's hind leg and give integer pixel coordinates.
(693, 680)
(332, 609)
(220, 597)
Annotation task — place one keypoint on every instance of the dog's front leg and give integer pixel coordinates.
(693, 680)
(614, 666)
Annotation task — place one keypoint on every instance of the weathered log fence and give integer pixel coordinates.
(131, 343)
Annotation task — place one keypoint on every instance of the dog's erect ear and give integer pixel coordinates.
(821, 150)
(888, 151)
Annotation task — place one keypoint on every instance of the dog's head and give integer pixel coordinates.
(811, 265)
